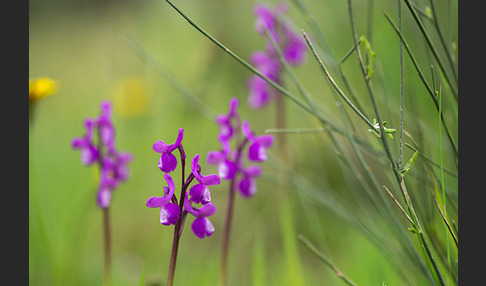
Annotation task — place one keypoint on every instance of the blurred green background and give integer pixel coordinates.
(80, 44)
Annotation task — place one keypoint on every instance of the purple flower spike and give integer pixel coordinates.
(100, 148)
(201, 226)
(169, 212)
(167, 161)
(290, 42)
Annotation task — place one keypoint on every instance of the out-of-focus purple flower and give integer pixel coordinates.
(257, 151)
(168, 161)
(105, 126)
(200, 192)
(247, 184)
(201, 226)
(169, 212)
(121, 171)
(101, 149)
(89, 153)
(107, 183)
(292, 45)
(230, 162)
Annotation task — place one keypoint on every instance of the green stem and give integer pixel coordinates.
(229, 219)
(179, 223)
(107, 243)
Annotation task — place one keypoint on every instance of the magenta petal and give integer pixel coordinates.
(214, 157)
(227, 170)
(265, 140)
(211, 180)
(206, 210)
(89, 155)
(253, 171)
(78, 143)
(160, 147)
(195, 167)
(103, 197)
(178, 141)
(202, 227)
(257, 153)
(247, 187)
(157, 202)
(167, 162)
(169, 214)
(245, 128)
(200, 194)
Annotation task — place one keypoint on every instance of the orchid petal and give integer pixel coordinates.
(169, 214)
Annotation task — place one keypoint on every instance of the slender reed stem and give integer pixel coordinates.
(107, 241)
(325, 260)
(179, 223)
(432, 48)
(426, 84)
(400, 47)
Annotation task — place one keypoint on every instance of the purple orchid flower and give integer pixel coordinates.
(247, 184)
(168, 161)
(257, 151)
(200, 192)
(105, 126)
(89, 153)
(169, 212)
(267, 62)
(121, 171)
(201, 226)
(226, 168)
(114, 164)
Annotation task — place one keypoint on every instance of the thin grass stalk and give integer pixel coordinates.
(432, 48)
(395, 169)
(320, 38)
(336, 87)
(444, 219)
(345, 81)
(424, 81)
(399, 205)
(322, 257)
(400, 51)
(442, 40)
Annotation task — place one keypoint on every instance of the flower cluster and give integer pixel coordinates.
(230, 162)
(267, 61)
(101, 149)
(170, 211)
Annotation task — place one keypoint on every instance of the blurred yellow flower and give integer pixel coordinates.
(132, 96)
(41, 88)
